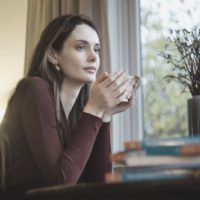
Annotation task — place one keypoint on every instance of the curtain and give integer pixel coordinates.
(118, 25)
(124, 35)
(41, 12)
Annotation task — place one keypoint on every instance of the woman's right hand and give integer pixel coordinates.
(107, 91)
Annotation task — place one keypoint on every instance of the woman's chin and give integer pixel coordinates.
(87, 78)
(90, 79)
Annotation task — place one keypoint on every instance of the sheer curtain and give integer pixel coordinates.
(124, 34)
(118, 25)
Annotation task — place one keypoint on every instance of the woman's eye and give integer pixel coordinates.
(80, 47)
(97, 50)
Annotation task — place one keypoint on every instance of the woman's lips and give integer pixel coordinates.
(90, 70)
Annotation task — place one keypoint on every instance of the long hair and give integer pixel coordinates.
(53, 36)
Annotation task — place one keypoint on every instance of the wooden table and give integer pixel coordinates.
(165, 190)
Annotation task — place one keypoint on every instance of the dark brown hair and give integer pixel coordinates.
(54, 36)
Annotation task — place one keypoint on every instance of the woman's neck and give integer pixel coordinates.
(68, 94)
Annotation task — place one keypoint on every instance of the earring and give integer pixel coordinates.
(57, 67)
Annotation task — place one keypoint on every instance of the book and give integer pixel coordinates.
(143, 160)
(152, 175)
(120, 157)
(163, 141)
(166, 146)
(157, 159)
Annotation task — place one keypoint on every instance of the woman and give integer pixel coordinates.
(55, 130)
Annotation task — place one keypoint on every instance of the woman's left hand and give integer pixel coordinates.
(123, 106)
(107, 116)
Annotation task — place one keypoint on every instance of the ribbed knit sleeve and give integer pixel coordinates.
(99, 162)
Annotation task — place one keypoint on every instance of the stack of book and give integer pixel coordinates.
(159, 159)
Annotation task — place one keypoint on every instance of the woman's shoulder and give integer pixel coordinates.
(31, 89)
(35, 82)
(35, 85)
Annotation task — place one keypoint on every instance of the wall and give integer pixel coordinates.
(12, 50)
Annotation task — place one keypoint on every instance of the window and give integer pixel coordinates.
(165, 106)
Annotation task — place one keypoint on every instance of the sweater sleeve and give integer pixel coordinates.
(99, 162)
(57, 164)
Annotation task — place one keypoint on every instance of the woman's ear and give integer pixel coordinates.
(51, 56)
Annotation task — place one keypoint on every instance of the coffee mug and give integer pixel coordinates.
(134, 83)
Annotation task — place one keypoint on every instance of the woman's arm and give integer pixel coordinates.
(57, 164)
(99, 162)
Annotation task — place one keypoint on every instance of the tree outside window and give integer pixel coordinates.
(165, 104)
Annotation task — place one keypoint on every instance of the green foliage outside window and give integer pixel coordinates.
(165, 105)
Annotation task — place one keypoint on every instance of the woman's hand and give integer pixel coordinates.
(106, 93)
(123, 106)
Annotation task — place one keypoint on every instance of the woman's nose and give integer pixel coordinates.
(92, 56)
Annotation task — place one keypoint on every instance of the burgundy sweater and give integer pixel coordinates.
(43, 153)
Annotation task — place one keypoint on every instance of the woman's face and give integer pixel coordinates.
(79, 58)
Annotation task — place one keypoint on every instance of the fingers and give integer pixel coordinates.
(102, 77)
(122, 92)
(111, 79)
(135, 85)
(115, 89)
(129, 89)
(120, 82)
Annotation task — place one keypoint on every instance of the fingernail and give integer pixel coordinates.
(124, 100)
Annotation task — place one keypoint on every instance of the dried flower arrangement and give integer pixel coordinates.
(182, 52)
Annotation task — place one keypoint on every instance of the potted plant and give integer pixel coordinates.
(182, 52)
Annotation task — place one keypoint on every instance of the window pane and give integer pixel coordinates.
(165, 106)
